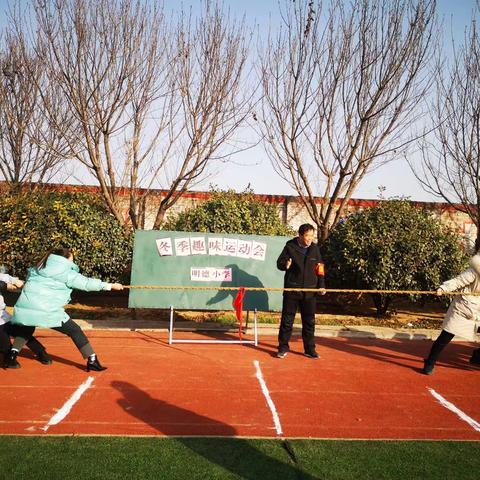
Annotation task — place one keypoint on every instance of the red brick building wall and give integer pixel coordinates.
(290, 208)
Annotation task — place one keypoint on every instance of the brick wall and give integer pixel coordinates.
(290, 208)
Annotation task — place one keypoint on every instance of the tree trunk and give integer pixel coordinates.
(381, 302)
(160, 216)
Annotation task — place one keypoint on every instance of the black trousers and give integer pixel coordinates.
(438, 345)
(8, 330)
(307, 307)
(69, 328)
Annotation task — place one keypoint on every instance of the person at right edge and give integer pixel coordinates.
(303, 266)
(463, 314)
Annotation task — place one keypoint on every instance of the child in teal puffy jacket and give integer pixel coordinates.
(42, 303)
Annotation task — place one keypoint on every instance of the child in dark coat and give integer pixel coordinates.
(7, 329)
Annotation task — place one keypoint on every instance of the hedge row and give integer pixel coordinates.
(31, 224)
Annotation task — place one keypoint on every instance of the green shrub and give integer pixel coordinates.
(394, 246)
(230, 212)
(31, 224)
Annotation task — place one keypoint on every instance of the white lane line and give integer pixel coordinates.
(473, 423)
(266, 393)
(68, 405)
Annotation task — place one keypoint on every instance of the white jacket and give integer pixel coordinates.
(4, 316)
(463, 314)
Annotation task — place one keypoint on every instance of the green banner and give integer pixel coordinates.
(186, 259)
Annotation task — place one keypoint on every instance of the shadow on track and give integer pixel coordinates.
(239, 457)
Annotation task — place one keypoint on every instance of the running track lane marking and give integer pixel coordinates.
(266, 393)
(473, 423)
(68, 405)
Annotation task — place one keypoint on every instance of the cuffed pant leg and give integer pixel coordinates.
(72, 330)
(32, 343)
(21, 334)
(307, 311)
(289, 309)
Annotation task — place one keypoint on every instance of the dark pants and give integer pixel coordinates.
(8, 330)
(307, 307)
(438, 345)
(69, 328)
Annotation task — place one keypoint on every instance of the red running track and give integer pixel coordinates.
(358, 389)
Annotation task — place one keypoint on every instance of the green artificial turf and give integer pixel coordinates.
(106, 458)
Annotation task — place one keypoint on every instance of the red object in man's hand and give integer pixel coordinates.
(320, 269)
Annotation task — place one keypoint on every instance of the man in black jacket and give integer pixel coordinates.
(303, 266)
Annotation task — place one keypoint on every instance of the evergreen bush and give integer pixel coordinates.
(31, 224)
(394, 246)
(230, 212)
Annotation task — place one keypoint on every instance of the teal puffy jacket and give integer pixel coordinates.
(47, 291)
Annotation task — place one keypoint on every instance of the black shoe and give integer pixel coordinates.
(11, 360)
(281, 354)
(428, 368)
(313, 355)
(94, 366)
(475, 358)
(44, 358)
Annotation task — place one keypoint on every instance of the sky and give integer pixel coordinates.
(252, 168)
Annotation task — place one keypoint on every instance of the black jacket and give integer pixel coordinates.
(302, 273)
(3, 287)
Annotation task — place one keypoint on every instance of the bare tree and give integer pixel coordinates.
(108, 62)
(154, 101)
(210, 68)
(30, 150)
(451, 156)
(341, 91)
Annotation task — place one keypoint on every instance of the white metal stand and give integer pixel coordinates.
(246, 342)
